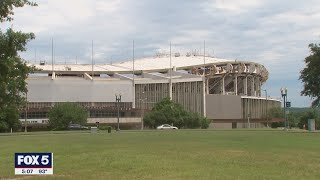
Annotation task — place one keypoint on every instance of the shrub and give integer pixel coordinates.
(204, 123)
(61, 115)
(3, 126)
(102, 128)
(168, 112)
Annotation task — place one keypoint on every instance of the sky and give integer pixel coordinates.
(271, 32)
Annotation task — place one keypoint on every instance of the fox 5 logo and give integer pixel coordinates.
(33, 160)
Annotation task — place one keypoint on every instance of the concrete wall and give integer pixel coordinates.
(91, 120)
(114, 120)
(221, 125)
(77, 90)
(237, 126)
(223, 106)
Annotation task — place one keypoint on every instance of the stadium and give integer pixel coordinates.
(227, 92)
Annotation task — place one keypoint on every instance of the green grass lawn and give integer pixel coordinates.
(182, 154)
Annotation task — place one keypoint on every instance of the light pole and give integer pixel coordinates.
(26, 111)
(284, 92)
(118, 100)
(266, 106)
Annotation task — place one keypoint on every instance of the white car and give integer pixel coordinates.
(166, 126)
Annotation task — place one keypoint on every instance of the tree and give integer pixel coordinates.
(294, 118)
(9, 119)
(168, 112)
(13, 69)
(310, 114)
(310, 75)
(276, 112)
(61, 115)
(7, 6)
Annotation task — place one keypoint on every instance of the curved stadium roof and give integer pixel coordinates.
(151, 64)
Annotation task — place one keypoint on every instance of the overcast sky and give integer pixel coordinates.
(275, 33)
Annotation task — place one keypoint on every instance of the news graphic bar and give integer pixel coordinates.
(33, 163)
(33, 171)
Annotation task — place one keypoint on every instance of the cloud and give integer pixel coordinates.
(232, 6)
(109, 7)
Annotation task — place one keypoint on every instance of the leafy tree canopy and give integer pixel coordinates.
(310, 75)
(297, 117)
(61, 115)
(13, 69)
(7, 7)
(168, 112)
(310, 114)
(275, 112)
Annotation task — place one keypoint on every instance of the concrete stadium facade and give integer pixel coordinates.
(227, 92)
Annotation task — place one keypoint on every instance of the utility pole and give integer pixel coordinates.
(92, 58)
(133, 82)
(170, 80)
(52, 56)
(204, 58)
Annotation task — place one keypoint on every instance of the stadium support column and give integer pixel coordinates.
(222, 86)
(207, 85)
(236, 85)
(259, 86)
(252, 86)
(245, 86)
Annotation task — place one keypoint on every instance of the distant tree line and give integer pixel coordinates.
(297, 118)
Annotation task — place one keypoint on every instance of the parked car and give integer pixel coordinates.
(166, 126)
(76, 127)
